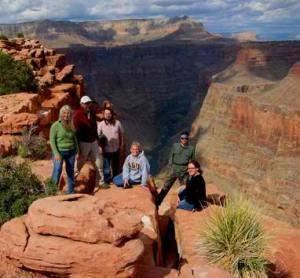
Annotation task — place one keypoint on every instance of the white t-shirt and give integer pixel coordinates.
(112, 133)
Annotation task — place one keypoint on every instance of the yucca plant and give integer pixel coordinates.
(235, 240)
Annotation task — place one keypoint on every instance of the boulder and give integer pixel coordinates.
(85, 181)
(15, 123)
(58, 61)
(47, 80)
(74, 235)
(18, 103)
(284, 248)
(6, 144)
(66, 73)
(140, 199)
(64, 88)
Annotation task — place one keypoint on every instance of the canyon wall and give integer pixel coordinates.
(156, 89)
(248, 130)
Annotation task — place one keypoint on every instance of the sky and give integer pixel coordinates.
(270, 19)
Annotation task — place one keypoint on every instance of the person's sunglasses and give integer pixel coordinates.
(184, 138)
(191, 168)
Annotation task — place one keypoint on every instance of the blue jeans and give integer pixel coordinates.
(183, 204)
(119, 182)
(69, 158)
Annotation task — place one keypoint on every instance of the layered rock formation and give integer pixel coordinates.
(76, 235)
(111, 33)
(248, 132)
(156, 90)
(57, 85)
(112, 234)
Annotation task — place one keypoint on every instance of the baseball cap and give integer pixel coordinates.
(184, 135)
(85, 99)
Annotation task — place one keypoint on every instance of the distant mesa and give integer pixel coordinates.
(245, 36)
(61, 34)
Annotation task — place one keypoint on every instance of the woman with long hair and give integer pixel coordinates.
(193, 196)
(64, 146)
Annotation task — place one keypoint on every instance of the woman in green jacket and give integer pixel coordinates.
(64, 146)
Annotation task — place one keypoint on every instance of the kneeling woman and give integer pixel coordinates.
(193, 196)
(64, 146)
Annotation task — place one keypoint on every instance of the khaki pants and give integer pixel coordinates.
(91, 152)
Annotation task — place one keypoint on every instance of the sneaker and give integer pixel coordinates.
(104, 185)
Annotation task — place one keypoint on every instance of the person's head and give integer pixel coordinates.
(184, 138)
(107, 104)
(194, 168)
(65, 114)
(135, 148)
(108, 115)
(86, 102)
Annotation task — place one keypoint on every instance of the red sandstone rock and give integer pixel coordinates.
(139, 199)
(66, 73)
(85, 182)
(64, 88)
(6, 144)
(42, 168)
(99, 222)
(284, 247)
(57, 61)
(16, 123)
(18, 103)
(47, 80)
(79, 217)
(295, 70)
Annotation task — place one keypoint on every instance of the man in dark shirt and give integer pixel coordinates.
(86, 132)
(180, 156)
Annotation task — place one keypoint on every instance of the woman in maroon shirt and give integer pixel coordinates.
(193, 196)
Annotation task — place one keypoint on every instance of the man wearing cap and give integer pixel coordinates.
(86, 132)
(180, 156)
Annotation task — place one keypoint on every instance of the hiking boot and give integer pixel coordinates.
(104, 185)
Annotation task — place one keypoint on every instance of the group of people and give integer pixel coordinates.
(93, 134)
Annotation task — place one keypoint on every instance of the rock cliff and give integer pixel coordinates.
(57, 85)
(248, 135)
(114, 32)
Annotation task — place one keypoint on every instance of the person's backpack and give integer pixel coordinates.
(102, 140)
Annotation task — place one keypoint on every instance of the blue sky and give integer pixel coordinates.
(273, 19)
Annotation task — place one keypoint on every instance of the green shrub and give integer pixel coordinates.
(19, 187)
(31, 145)
(15, 76)
(20, 35)
(3, 37)
(234, 240)
(50, 187)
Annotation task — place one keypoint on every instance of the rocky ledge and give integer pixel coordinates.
(57, 85)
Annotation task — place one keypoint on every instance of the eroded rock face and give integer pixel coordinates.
(57, 85)
(74, 235)
(139, 199)
(249, 140)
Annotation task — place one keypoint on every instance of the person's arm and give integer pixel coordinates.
(126, 169)
(76, 120)
(53, 134)
(99, 128)
(121, 136)
(76, 143)
(170, 162)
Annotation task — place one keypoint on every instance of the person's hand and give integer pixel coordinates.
(146, 187)
(57, 157)
(126, 183)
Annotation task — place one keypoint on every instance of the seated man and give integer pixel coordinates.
(136, 168)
